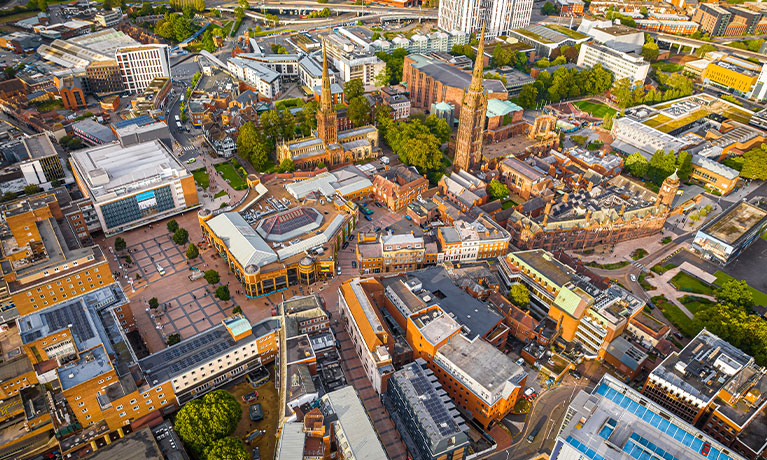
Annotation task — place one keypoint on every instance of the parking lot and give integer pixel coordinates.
(269, 399)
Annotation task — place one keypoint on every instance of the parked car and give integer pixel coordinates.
(575, 374)
(370, 219)
(255, 454)
(379, 204)
(530, 394)
(705, 449)
(256, 412)
(250, 397)
(354, 264)
(633, 278)
(253, 435)
(345, 245)
(534, 433)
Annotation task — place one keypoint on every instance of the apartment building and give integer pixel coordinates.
(104, 76)
(109, 18)
(339, 427)
(44, 262)
(523, 179)
(614, 422)
(497, 16)
(395, 253)
(43, 164)
(588, 313)
(481, 379)
(668, 27)
(428, 424)
(467, 241)
(622, 65)
(259, 77)
(307, 313)
(139, 65)
(360, 302)
(463, 190)
(352, 57)
(399, 186)
(133, 185)
(420, 43)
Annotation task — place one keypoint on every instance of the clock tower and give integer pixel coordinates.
(668, 190)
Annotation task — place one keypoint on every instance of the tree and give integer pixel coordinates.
(735, 292)
(359, 111)
(211, 276)
(438, 126)
(222, 292)
(192, 251)
(120, 244)
(173, 339)
(180, 236)
(683, 165)
(154, 303)
(42, 5)
(244, 4)
(172, 226)
(31, 189)
(650, 51)
(607, 121)
(237, 310)
(502, 56)
(497, 190)
(353, 88)
(107, 5)
(703, 49)
(548, 9)
(753, 163)
(228, 448)
(519, 295)
(286, 166)
(662, 165)
(528, 97)
(622, 93)
(394, 63)
(252, 145)
(203, 421)
(636, 164)
(383, 78)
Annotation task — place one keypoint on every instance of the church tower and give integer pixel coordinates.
(667, 191)
(471, 121)
(327, 124)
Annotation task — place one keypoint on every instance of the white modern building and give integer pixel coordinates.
(352, 57)
(139, 65)
(259, 77)
(618, 37)
(418, 43)
(310, 72)
(134, 185)
(622, 65)
(109, 18)
(632, 136)
(498, 16)
(286, 65)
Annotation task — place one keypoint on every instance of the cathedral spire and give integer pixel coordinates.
(326, 100)
(479, 64)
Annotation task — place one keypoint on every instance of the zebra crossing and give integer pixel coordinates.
(189, 149)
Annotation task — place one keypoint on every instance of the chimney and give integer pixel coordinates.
(623, 209)
(545, 219)
(547, 210)
(565, 197)
(589, 186)
(588, 215)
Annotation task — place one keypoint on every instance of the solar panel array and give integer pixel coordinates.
(71, 314)
(289, 221)
(177, 358)
(444, 422)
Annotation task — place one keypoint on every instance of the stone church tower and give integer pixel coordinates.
(327, 124)
(668, 190)
(471, 121)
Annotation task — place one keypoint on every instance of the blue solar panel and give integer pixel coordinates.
(662, 424)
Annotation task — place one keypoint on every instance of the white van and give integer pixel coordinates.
(178, 118)
(160, 270)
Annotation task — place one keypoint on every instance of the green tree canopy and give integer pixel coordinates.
(519, 295)
(497, 190)
(359, 111)
(636, 164)
(353, 88)
(180, 236)
(438, 126)
(203, 421)
(120, 244)
(754, 162)
(684, 165)
(154, 303)
(228, 448)
(548, 9)
(222, 292)
(736, 293)
(252, 146)
(31, 189)
(192, 251)
(650, 51)
(172, 225)
(662, 165)
(211, 276)
(173, 339)
(287, 165)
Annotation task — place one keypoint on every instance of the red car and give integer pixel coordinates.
(250, 397)
(706, 449)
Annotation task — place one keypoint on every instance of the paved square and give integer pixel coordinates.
(160, 250)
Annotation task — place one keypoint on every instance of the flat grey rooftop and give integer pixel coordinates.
(484, 363)
(91, 364)
(190, 353)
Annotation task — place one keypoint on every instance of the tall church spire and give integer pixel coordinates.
(471, 119)
(326, 99)
(479, 64)
(327, 119)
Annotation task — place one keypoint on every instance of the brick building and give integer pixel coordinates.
(399, 186)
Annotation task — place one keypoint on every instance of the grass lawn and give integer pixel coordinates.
(612, 266)
(638, 253)
(676, 316)
(201, 177)
(760, 298)
(510, 204)
(661, 269)
(688, 283)
(643, 281)
(220, 194)
(567, 31)
(596, 109)
(231, 176)
(695, 304)
(669, 67)
(657, 120)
